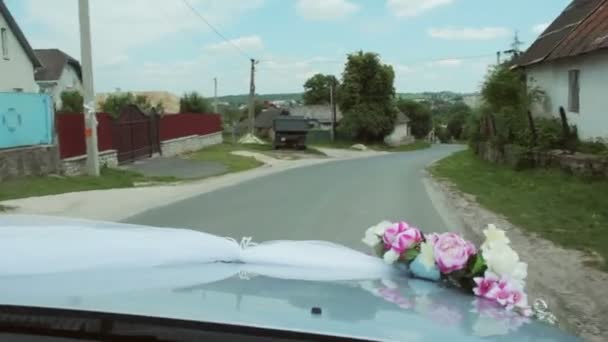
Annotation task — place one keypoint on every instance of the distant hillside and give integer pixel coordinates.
(242, 99)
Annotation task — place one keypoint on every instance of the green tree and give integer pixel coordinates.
(419, 114)
(366, 97)
(194, 103)
(508, 100)
(317, 89)
(72, 101)
(114, 103)
(231, 116)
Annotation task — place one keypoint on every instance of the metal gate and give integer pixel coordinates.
(135, 134)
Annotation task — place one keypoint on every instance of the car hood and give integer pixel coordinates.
(388, 308)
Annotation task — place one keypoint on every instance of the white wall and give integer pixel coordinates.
(17, 71)
(67, 81)
(592, 119)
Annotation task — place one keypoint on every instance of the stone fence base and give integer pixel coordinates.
(29, 161)
(580, 164)
(191, 143)
(76, 166)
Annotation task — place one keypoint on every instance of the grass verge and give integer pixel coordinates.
(52, 185)
(567, 210)
(221, 154)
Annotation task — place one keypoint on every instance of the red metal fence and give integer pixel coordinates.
(70, 130)
(175, 126)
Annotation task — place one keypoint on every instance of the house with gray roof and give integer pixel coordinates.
(569, 62)
(321, 114)
(60, 73)
(18, 62)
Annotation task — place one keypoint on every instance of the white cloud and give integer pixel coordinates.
(452, 62)
(412, 8)
(325, 9)
(247, 44)
(540, 28)
(483, 33)
(119, 27)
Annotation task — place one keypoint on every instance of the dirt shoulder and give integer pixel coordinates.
(576, 293)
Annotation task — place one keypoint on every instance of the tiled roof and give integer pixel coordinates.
(54, 60)
(560, 30)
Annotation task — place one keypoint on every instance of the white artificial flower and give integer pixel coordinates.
(381, 227)
(494, 236)
(371, 239)
(427, 255)
(504, 261)
(391, 257)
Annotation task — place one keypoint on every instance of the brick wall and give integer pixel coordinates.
(37, 160)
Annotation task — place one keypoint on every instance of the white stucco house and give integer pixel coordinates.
(18, 62)
(569, 62)
(60, 73)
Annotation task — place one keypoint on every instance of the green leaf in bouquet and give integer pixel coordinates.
(411, 254)
(477, 266)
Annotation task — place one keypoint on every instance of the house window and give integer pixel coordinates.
(574, 91)
(4, 41)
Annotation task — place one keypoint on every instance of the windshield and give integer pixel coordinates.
(348, 143)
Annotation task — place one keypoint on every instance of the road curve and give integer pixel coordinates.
(335, 201)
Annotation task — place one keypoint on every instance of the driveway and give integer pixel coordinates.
(333, 201)
(177, 167)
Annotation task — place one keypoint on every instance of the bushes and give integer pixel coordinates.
(72, 101)
(419, 115)
(114, 103)
(194, 103)
(368, 122)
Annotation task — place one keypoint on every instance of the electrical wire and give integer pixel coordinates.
(198, 14)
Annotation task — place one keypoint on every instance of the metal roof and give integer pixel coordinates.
(561, 28)
(54, 60)
(12, 24)
(590, 35)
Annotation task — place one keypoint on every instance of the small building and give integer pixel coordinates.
(402, 133)
(263, 122)
(569, 62)
(321, 115)
(60, 73)
(18, 62)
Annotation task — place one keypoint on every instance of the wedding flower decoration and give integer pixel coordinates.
(493, 272)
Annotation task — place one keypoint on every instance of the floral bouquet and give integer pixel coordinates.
(493, 271)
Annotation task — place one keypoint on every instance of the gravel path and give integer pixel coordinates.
(576, 294)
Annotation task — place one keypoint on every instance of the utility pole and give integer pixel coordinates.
(90, 131)
(215, 95)
(498, 57)
(252, 96)
(333, 110)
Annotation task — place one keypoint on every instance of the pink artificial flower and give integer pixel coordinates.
(406, 239)
(452, 252)
(390, 234)
(508, 294)
(485, 284)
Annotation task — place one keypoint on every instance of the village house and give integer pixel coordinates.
(18, 62)
(569, 62)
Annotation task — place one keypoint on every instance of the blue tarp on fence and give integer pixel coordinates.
(25, 119)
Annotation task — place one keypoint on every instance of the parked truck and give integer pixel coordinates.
(290, 131)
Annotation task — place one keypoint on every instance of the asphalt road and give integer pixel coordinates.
(335, 201)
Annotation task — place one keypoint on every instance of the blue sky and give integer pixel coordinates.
(163, 45)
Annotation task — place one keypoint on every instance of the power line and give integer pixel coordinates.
(197, 13)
